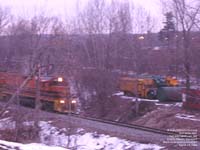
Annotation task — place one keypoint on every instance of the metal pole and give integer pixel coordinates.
(136, 103)
(37, 102)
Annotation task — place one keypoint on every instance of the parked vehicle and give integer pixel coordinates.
(148, 87)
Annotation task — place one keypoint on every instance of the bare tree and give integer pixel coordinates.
(119, 34)
(143, 22)
(187, 20)
(107, 42)
(30, 39)
(5, 17)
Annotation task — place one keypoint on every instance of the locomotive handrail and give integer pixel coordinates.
(31, 91)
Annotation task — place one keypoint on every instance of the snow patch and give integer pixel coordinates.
(126, 97)
(146, 100)
(59, 139)
(33, 146)
(5, 112)
(118, 94)
(121, 94)
(7, 123)
(187, 117)
(87, 141)
(169, 105)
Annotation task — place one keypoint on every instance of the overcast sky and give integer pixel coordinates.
(63, 7)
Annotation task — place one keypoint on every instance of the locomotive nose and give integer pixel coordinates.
(60, 79)
(62, 101)
(73, 101)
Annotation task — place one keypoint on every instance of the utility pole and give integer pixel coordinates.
(69, 118)
(137, 103)
(37, 100)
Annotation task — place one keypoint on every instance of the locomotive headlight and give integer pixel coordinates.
(73, 101)
(62, 101)
(60, 79)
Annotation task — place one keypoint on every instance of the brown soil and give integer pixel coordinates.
(164, 118)
(122, 110)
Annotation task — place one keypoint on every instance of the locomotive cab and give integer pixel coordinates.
(62, 99)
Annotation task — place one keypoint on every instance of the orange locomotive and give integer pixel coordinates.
(55, 92)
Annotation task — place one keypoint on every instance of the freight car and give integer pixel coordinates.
(55, 92)
(191, 99)
(147, 87)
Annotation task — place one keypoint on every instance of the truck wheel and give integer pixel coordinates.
(151, 95)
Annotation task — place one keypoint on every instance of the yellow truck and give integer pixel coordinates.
(145, 87)
(172, 81)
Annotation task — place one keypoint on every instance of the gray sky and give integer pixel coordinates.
(63, 7)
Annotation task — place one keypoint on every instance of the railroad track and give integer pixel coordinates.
(113, 124)
(148, 129)
(133, 126)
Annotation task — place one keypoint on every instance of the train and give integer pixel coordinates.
(152, 87)
(55, 94)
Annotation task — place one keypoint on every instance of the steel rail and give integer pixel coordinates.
(133, 126)
(119, 124)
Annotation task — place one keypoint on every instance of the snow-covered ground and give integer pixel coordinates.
(33, 146)
(121, 95)
(53, 138)
(88, 141)
(179, 104)
(7, 123)
(187, 117)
